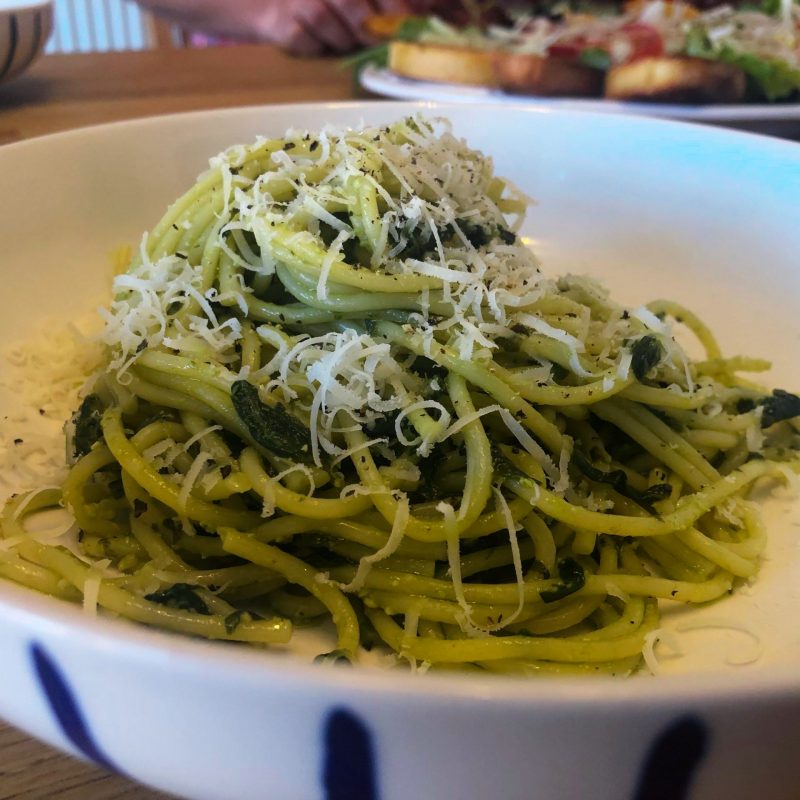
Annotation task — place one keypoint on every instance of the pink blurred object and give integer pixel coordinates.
(197, 39)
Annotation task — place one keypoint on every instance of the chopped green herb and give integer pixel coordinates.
(619, 481)
(236, 618)
(506, 236)
(779, 406)
(427, 368)
(646, 352)
(572, 579)
(334, 657)
(181, 596)
(272, 427)
(87, 425)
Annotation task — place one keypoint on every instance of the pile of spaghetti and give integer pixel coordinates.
(340, 389)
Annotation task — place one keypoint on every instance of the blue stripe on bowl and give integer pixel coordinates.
(13, 39)
(673, 760)
(65, 708)
(348, 771)
(36, 42)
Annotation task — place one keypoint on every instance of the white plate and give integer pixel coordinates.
(657, 208)
(777, 119)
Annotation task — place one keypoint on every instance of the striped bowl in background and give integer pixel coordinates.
(24, 30)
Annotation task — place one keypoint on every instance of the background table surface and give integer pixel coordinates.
(71, 91)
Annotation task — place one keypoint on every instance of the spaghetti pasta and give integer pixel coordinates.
(340, 389)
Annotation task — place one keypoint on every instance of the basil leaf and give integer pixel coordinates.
(272, 427)
(181, 596)
(572, 580)
(88, 430)
(780, 406)
(646, 352)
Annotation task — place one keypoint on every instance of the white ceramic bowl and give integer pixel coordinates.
(25, 28)
(706, 216)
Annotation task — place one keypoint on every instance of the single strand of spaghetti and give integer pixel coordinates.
(570, 612)
(300, 573)
(157, 431)
(553, 395)
(235, 483)
(544, 546)
(251, 348)
(373, 538)
(226, 577)
(528, 668)
(664, 398)
(539, 347)
(492, 558)
(163, 490)
(720, 422)
(489, 521)
(608, 561)
(714, 440)
(691, 320)
(367, 211)
(128, 605)
(731, 365)
(294, 503)
(550, 649)
(661, 588)
(394, 603)
(299, 608)
(357, 302)
(77, 478)
(381, 579)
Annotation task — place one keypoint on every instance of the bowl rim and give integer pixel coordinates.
(57, 619)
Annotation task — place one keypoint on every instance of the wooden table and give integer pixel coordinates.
(70, 91)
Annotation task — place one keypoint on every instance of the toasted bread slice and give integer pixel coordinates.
(442, 63)
(524, 73)
(676, 80)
